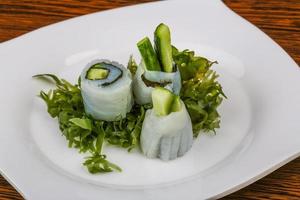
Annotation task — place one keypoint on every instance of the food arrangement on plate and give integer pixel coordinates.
(159, 106)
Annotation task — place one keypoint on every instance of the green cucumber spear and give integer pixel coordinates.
(148, 54)
(163, 48)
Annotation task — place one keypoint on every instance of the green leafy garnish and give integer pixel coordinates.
(190, 65)
(132, 66)
(85, 133)
(98, 163)
(82, 123)
(201, 92)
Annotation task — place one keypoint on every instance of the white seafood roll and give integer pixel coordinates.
(106, 89)
(145, 81)
(168, 136)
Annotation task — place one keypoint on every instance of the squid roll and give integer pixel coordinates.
(106, 89)
(144, 81)
(157, 67)
(167, 129)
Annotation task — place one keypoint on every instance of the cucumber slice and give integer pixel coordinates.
(163, 48)
(176, 105)
(97, 74)
(162, 100)
(148, 54)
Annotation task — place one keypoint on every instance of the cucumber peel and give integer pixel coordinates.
(176, 104)
(163, 48)
(165, 102)
(148, 54)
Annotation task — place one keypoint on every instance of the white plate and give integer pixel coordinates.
(260, 129)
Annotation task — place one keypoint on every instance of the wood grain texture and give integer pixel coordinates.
(279, 19)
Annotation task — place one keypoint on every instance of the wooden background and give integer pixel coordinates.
(280, 19)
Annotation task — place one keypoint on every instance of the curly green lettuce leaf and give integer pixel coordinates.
(189, 64)
(98, 164)
(125, 132)
(82, 123)
(201, 92)
(85, 133)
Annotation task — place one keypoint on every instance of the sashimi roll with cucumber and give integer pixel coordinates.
(106, 89)
(158, 106)
(156, 68)
(167, 129)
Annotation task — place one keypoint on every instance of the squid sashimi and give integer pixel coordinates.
(167, 129)
(145, 81)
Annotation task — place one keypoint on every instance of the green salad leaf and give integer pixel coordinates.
(85, 133)
(98, 164)
(201, 92)
(189, 64)
(82, 123)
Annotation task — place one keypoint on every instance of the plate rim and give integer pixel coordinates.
(248, 182)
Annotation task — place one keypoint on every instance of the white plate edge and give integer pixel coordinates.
(226, 192)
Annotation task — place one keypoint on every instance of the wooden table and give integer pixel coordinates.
(278, 18)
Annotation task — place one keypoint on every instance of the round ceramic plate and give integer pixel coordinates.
(259, 129)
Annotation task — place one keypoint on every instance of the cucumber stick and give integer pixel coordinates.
(148, 54)
(163, 48)
(97, 74)
(165, 102)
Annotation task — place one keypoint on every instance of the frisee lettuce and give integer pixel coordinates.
(85, 133)
(201, 92)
